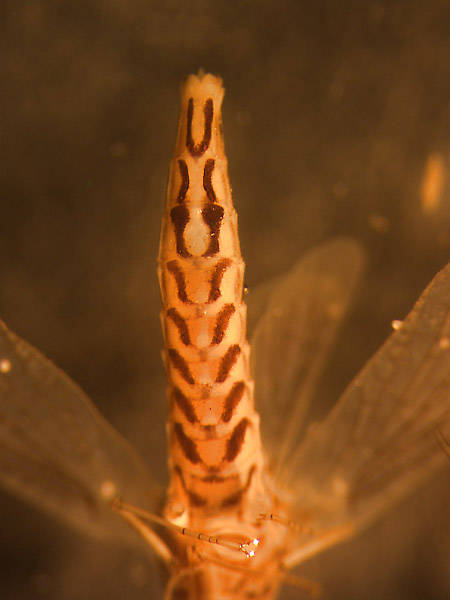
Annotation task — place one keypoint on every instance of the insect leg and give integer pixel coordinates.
(247, 546)
(152, 539)
(287, 523)
(312, 588)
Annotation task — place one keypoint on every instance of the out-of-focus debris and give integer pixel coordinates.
(432, 183)
(379, 223)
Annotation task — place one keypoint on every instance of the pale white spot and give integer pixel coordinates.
(202, 340)
(396, 324)
(196, 234)
(444, 343)
(108, 490)
(5, 365)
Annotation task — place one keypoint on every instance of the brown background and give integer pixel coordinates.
(331, 111)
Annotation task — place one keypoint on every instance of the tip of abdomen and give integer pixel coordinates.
(203, 84)
(200, 131)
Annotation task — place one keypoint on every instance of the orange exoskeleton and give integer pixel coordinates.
(253, 491)
(218, 480)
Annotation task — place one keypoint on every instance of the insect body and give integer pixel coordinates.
(252, 492)
(216, 458)
(218, 481)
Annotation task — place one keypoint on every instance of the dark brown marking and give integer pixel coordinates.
(236, 440)
(181, 325)
(210, 431)
(185, 405)
(232, 400)
(212, 214)
(208, 111)
(236, 497)
(205, 391)
(223, 318)
(180, 365)
(207, 179)
(213, 468)
(186, 444)
(174, 268)
(217, 478)
(180, 218)
(194, 499)
(216, 279)
(184, 172)
(227, 362)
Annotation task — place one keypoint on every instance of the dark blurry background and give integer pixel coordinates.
(332, 112)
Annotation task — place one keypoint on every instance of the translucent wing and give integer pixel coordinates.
(56, 450)
(381, 439)
(292, 339)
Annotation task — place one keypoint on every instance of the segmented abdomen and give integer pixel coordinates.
(214, 448)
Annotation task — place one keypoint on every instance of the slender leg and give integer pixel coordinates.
(152, 539)
(247, 546)
(312, 588)
(287, 523)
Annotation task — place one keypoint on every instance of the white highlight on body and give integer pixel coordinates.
(250, 548)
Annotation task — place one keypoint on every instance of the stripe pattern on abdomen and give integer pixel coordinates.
(215, 454)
